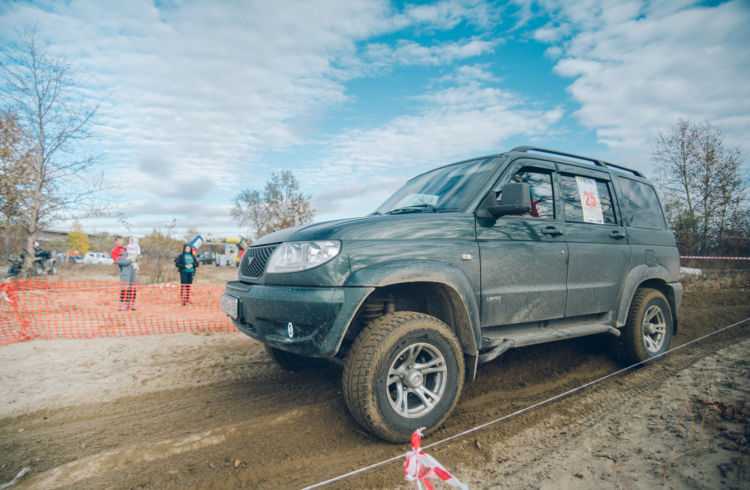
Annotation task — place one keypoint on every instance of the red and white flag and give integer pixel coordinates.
(420, 467)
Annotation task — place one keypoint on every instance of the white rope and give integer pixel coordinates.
(15, 480)
(708, 257)
(524, 410)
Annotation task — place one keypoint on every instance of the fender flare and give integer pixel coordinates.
(635, 278)
(427, 271)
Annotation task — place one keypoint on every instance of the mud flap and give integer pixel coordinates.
(471, 363)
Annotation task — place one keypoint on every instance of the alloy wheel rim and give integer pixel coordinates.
(417, 380)
(654, 329)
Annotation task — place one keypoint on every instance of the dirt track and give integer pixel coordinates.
(220, 414)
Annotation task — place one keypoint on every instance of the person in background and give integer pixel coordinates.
(134, 251)
(186, 263)
(127, 275)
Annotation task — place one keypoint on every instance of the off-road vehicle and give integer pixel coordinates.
(461, 264)
(44, 262)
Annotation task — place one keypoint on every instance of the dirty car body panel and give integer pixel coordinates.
(503, 251)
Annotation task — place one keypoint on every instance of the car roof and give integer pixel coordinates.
(554, 155)
(565, 157)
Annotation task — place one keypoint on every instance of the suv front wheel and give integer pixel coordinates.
(648, 331)
(404, 371)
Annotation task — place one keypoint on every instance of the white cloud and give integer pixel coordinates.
(552, 33)
(455, 123)
(638, 67)
(193, 94)
(207, 86)
(449, 13)
(412, 53)
(356, 199)
(378, 59)
(140, 217)
(197, 94)
(467, 74)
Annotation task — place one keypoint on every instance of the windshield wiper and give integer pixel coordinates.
(419, 208)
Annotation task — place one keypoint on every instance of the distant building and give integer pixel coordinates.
(12, 244)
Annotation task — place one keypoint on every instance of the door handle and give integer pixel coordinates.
(551, 230)
(617, 234)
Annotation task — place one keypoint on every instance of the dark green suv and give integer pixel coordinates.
(461, 264)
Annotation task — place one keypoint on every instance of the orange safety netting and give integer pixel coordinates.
(32, 308)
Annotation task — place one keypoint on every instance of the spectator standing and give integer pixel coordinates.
(186, 263)
(127, 275)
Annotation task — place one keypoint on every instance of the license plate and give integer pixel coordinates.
(230, 306)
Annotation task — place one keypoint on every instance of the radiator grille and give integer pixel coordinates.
(253, 263)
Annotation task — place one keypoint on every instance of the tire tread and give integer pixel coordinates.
(359, 391)
(629, 349)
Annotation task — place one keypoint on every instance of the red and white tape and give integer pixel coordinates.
(420, 467)
(702, 257)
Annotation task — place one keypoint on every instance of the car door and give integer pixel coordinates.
(598, 247)
(524, 257)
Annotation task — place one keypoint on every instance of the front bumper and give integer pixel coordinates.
(303, 320)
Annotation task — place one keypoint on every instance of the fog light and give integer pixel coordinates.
(290, 330)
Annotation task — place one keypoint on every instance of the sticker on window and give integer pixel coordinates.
(590, 205)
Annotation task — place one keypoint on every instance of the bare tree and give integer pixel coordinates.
(159, 248)
(702, 184)
(674, 155)
(280, 206)
(42, 93)
(190, 233)
(15, 168)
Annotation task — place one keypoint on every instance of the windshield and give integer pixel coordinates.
(443, 189)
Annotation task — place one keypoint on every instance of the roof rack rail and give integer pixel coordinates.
(599, 163)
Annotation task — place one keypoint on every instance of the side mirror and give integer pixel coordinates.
(515, 199)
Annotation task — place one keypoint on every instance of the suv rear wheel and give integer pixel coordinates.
(648, 331)
(404, 371)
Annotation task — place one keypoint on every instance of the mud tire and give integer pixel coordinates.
(648, 331)
(384, 346)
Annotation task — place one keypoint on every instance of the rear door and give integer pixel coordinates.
(651, 241)
(524, 257)
(599, 253)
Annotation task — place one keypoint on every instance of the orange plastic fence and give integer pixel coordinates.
(33, 308)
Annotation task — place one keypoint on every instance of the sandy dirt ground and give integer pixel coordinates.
(213, 411)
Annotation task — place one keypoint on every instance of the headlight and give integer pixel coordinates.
(300, 256)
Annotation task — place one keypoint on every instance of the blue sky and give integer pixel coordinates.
(203, 99)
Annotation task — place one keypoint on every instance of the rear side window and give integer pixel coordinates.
(640, 205)
(587, 200)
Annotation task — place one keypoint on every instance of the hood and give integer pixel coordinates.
(314, 231)
(396, 227)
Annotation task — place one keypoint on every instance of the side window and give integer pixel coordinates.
(542, 198)
(640, 206)
(587, 200)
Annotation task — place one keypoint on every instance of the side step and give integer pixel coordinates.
(499, 340)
